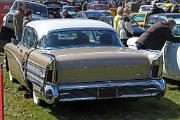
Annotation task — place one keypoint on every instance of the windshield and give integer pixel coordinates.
(52, 4)
(146, 8)
(80, 38)
(69, 8)
(139, 18)
(174, 16)
(100, 7)
(176, 30)
(38, 9)
(90, 14)
(55, 4)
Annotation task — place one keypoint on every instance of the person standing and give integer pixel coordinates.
(117, 18)
(18, 20)
(156, 36)
(27, 18)
(125, 27)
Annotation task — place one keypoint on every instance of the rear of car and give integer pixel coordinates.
(85, 61)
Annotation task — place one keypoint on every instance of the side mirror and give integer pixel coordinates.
(14, 41)
(7, 8)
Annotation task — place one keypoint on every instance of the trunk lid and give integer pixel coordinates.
(96, 64)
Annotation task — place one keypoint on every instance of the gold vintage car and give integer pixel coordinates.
(74, 59)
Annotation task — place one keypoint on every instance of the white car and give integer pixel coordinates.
(171, 54)
(145, 8)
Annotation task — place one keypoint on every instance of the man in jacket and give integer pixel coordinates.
(156, 36)
(18, 20)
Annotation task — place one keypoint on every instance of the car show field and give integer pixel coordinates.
(81, 60)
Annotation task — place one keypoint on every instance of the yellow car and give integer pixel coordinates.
(141, 18)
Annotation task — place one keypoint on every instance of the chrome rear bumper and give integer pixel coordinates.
(106, 90)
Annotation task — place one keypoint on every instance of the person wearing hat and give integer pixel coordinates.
(117, 18)
(156, 36)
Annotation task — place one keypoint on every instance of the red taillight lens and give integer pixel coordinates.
(155, 71)
(49, 76)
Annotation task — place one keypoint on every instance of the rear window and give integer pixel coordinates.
(80, 38)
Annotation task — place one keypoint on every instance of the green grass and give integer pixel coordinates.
(18, 108)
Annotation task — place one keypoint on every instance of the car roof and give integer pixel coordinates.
(97, 4)
(28, 1)
(43, 27)
(165, 14)
(146, 5)
(169, 13)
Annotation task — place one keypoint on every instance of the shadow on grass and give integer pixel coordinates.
(149, 108)
(174, 88)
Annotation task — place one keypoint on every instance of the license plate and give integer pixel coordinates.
(107, 92)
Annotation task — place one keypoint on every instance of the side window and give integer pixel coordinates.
(152, 20)
(140, 18)
(14, 7)
(162, 18)
(29, 38)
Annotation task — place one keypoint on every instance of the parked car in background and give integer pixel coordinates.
(135, 26)
(99, 1)
(7, 30)
(160, 17)
(97, 6)
(54, 8)
(141, 18)
(171, 52)
(92, 14)
(166, 7)
(145, 8)
(4, 9)
(65, 61)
